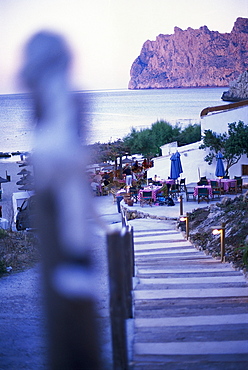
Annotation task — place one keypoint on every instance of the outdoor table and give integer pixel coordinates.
(170, 181)
(154, 189)
(210, 193)
(228, 183)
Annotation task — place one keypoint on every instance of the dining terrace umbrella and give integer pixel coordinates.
(174, 171)
(219, 171)
(127, 160)
(27, 187)
(24, 172)
(178, 163)
(2, 179)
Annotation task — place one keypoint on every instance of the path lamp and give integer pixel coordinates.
(186, 220)
(220, 230)
(181, 204)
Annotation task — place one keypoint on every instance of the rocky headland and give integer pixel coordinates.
(238, 89)
(192, 58)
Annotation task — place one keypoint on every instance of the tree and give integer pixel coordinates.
(141, 142)
(103, 152)
(162, 133)
(232, 144)
(191, 134)
(148, 141)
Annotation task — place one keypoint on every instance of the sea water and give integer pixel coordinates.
(110, 114)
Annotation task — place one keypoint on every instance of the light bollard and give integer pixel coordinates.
(186, 220)
(220, 230)
(180, 205)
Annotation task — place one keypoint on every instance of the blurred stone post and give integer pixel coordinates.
(64, 202)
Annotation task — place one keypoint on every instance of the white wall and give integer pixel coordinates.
(218, 122)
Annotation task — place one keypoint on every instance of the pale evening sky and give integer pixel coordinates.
(104, 35)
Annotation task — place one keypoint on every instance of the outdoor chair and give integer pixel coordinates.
(202, 182)
(233, 188)
(146, 198)
(216, 191)
(182, 185)
(203, 195)
(113, 192)
(164, 190)
(189, 193)
(96, 192)
(239, 185)
(160, 198)
(134, 193)
(105, 190)
(174, 190)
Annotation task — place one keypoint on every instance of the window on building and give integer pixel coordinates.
(244, 170)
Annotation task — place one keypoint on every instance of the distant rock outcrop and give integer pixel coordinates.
(238, 89)
(192, 58)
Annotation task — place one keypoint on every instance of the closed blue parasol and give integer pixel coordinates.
(174, 172)
(220, 171)
(179, 164)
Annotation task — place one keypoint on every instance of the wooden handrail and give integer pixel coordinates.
(224, 107)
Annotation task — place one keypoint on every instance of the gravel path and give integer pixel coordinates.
(22, 323)
(23, 343)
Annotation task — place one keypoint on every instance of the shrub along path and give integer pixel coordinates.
(190, 310)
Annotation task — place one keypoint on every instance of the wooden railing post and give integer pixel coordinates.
(128, 268)
(63, 204)
(117, 300)
(132, 251)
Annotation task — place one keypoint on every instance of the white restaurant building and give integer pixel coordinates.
(192, 158)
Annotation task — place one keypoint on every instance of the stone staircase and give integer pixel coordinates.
(190, 310)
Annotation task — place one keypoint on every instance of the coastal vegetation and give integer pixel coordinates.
(232, 144)
(146, 142)
(234, 214)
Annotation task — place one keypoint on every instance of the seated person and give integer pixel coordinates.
(95, 187)
(98, 178)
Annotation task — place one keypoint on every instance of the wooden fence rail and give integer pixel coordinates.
(121, 272)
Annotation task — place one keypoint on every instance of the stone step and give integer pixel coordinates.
(190, 310)
(193, 280)
(189, 293)
(158, 240)
(167, 252)
(191, 321)
(188, 270)
(192, 348)
(156, 233)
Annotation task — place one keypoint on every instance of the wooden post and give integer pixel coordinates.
(128, 271)
(117, 299)
(132, 251)
(181, 204)
(64, 201)
(222, 241)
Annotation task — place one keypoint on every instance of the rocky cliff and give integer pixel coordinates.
(238, 89)
(192, 58)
